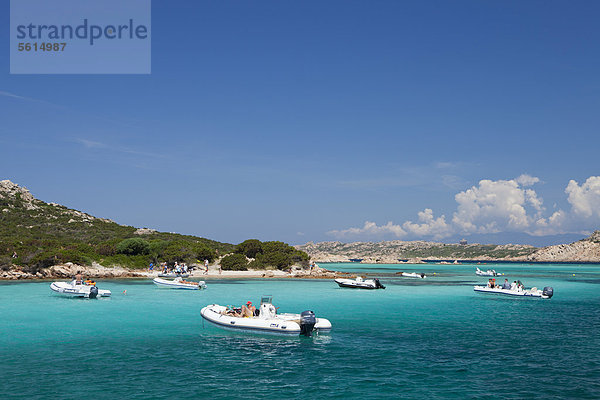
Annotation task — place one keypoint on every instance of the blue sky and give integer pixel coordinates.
(329, 120)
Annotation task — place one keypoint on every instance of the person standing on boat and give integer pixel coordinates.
(78, 278)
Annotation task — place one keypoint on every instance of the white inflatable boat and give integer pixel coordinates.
(489, 272)
(173, 275)
(413, 275)
(266, 320)
(359, 283)
(70, 289)
(546, 293)
(179, 283)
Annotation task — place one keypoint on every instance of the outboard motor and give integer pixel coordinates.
(307, 322)
(93, 292)
(378, 284)
(548, 292)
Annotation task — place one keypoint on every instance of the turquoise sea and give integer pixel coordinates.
(432, 338)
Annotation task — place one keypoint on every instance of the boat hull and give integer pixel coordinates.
(82, 291)
(353, 284)
(177, 285)
(508, 292)
(284, 324)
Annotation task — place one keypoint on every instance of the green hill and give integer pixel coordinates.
(35, 234)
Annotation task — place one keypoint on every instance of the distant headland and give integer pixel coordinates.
(47, 240)
(583, 251)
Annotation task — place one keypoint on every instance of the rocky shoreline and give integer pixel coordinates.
(97, 271)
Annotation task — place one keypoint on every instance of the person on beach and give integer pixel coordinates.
(205, 267)
(151, 267)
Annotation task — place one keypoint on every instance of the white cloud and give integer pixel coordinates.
(585, 199)
(436, 227)
(496, 206)
(527, 180)
(500, 206)
(370, 228)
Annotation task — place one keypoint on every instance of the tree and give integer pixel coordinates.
(133, 246)
(250, 248)
(234, 262)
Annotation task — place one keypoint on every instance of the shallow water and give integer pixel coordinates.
(432, 337)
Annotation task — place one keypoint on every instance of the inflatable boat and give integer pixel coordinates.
(179, 283)
(173, 275)
(489, 272)
(359, 283)
(265, 320)
(546, 293)
(70, 289)
(413, 275)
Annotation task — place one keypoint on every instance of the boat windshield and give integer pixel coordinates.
(267, 299)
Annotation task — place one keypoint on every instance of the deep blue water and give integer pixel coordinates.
(431, 338)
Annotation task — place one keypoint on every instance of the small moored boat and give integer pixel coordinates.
(179, 283)
(359, 283)
(71, 289)
(546, 293)
(413, 275)
(489, 272)
(266, 320)
(173, 275)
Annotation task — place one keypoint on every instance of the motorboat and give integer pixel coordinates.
(73, 289)
(489, 272)
(265, 320)
(546, 293)
(179, 283)
(413, 275)
(173, 275)
(359, 283)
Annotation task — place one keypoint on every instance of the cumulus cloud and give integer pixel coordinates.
(430, 226)
(585, 199)
(370, 228)
(510, 205)
(496, 206)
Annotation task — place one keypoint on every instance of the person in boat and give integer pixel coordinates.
(78, 278)
(506, 284)
(489, 284)
(248, 310)
(520, 286)
(513, 286)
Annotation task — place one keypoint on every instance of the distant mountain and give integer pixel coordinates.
(585, 250)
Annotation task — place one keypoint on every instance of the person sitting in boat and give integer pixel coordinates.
(489, 284)
(513, 286)
(248, 310)
(78, 278)
(520, 286)
(506, 284)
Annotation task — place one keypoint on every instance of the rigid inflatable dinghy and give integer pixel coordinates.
(546, 293)
(71, 289)
(265, 320)
(179, 283)
(413, 275)
(173, 275)
(359, 283)
(489, 272)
